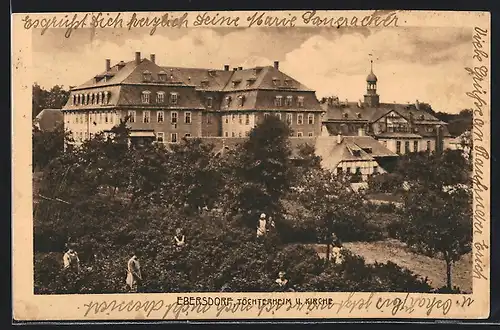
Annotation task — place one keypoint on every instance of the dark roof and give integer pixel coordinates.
(266, 77)
(332, 152)
(372, 114)
(48, 119)
(131, 73)
(264, 84)
(378, 150)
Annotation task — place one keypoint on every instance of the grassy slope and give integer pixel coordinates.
(397, 252)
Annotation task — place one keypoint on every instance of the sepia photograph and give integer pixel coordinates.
(254, 160)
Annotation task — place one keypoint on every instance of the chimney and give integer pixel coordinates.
(108, 64)
(339, 138)
(153, 58)
(137, 58)
(417, 105)
(226, 67)
(240, 68)
(277, 65)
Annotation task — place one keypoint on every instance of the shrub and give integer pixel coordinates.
(355, 275)
(385, 183)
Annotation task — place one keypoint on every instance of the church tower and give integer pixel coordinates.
(371, 96)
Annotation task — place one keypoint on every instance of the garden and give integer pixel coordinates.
(108, 201)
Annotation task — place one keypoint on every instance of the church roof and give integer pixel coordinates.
(371, 77)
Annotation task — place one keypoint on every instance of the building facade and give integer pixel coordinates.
(170, 103)
(401, 128)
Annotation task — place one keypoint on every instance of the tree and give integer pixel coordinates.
(263, 168)
(438, 205)
(55, 98)
(48, 145)
(335, 206)
(439, 222)
(434, 170)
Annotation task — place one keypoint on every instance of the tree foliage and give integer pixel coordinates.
(48, 145)
(112, 198)
(437, 206)
(54, 98)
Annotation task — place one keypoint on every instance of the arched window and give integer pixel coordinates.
(145, 96)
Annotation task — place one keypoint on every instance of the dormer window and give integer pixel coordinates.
(300, 101)
(421, 117)
(358, 115)
(288, 82)
(211, 73)
(162, 75)
(289, 101)
(145, 97)
(276, 81)
(241, 100)
(250, 82)
(210, 102)
(74, 99)
(85, 98)
(160, 97)
(174, 98)
(228, 101)
(278, 101)
(146, 75)
(346, 115)
(93, 98)
(236, 83)
(204, 83)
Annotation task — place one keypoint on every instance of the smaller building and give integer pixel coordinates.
(462, 142)
(48, 119)
(356, 155)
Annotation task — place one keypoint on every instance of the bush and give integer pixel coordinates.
(386, 208)
(355, 275)
(385, 183)
(218, 256)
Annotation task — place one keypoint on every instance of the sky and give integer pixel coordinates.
(424, 64)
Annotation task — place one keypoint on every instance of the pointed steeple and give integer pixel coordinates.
(371, 77)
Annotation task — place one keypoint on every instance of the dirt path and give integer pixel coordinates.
(397, 252)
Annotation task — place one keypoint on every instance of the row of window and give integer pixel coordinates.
(160, 117)
(289, 118)
(278, 101)
(247, 133)
(340, 170)
(300, 118)
(106, 117)
(160, 97)
(101, 98)
(407, 146)
(160, 137)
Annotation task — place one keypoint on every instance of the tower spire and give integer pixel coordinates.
(371, 96)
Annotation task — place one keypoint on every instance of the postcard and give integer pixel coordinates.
(251, 165)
